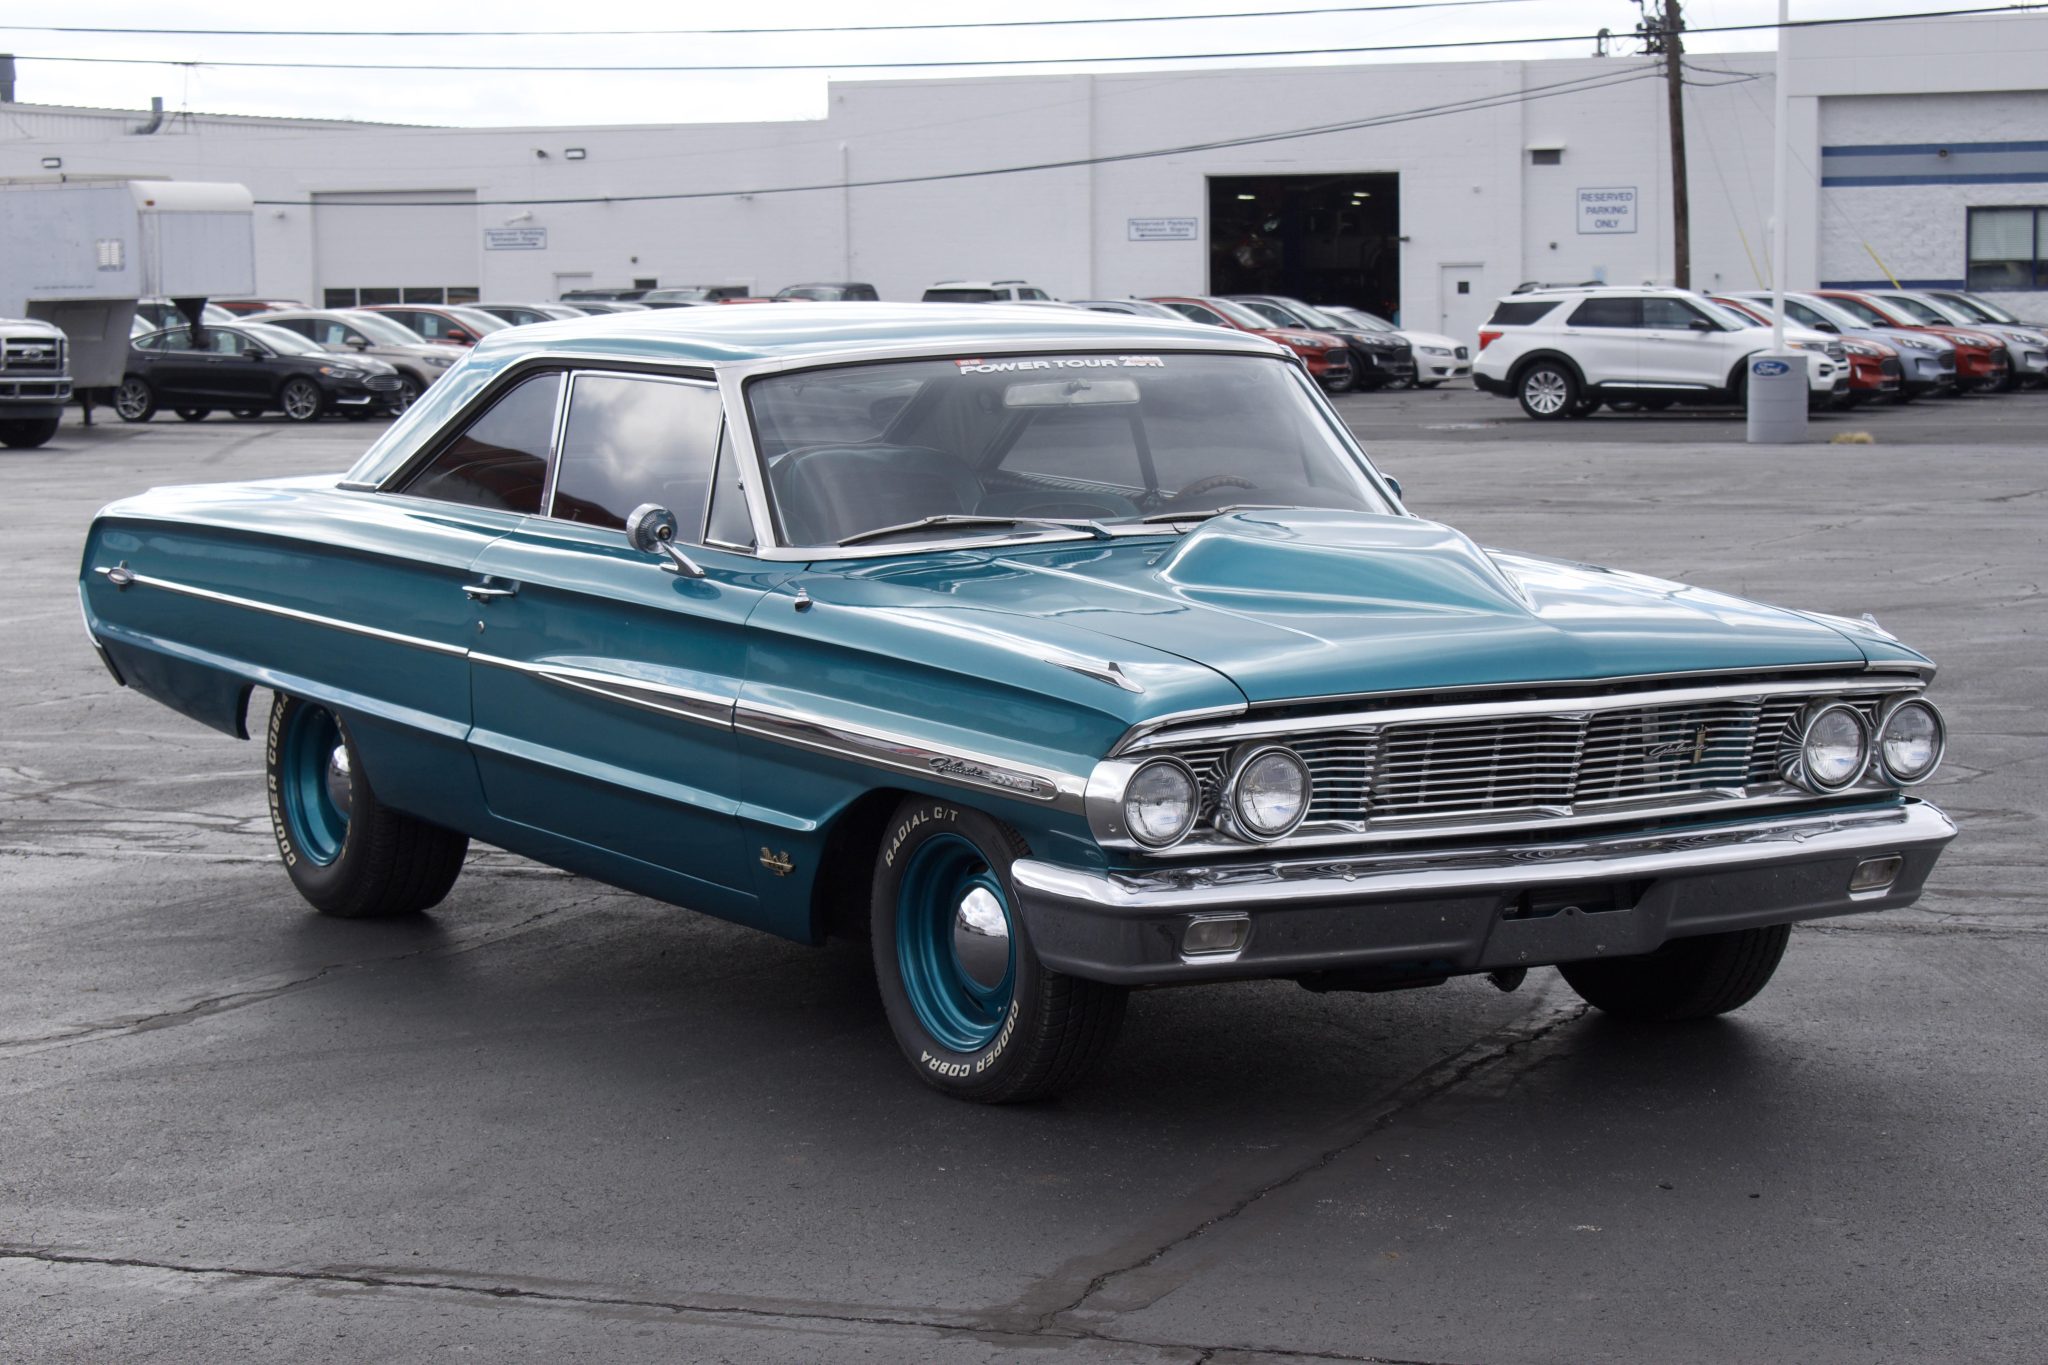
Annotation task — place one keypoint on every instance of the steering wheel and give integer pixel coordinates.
(1210, 484)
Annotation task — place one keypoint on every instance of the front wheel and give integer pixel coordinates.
(408, 392)
(300, 399)
(348, 853)
(134, 401)
(26, 433)
(970, 1004)
(1548, 391)
(1688, 978)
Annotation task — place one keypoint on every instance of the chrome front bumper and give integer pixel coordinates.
(1453, 911)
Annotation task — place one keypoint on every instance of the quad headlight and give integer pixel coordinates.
(1833, 748)
(1267, 793)
(1910, 740)
(1161, 801)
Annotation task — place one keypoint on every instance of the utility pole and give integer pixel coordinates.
(1660, 32)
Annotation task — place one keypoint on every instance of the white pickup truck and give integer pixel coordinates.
(35, 381)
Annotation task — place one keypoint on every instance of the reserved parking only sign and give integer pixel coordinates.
(1607, 211)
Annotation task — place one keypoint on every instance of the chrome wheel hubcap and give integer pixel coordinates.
(299, 403)
(981, 938)
(338, 789)
(1545, 391)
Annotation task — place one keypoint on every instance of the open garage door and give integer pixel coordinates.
(1318, 238)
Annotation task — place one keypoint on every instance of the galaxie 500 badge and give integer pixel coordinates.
(1063, 362)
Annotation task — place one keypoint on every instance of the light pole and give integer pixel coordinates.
(1776, 384)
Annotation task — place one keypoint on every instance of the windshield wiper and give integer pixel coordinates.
(1216, 511)
(1094, 528)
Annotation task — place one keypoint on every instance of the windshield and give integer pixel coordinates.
(1918, 311)
(1242, 315)
(383, 330)
(1858, 308)
(282, 340)
(1358, 317)
(1981, 309)
(1828, 311)
(1017, 442)
(1721, 313)
(962, 296)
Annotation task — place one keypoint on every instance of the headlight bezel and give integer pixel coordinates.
(1881, 758)
(1797, 766)
(1124, 797)
(1230, 815)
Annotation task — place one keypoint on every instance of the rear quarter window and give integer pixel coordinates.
(1519, 313)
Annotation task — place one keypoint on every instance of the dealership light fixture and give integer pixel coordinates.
(1248, 196)
(53, 163)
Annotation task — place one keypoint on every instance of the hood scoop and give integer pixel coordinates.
(1302, 561)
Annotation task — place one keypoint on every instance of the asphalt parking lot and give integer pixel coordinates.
(554, 1121)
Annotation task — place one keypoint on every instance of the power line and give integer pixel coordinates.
(1580, 85)
(657, 67)
(708, 32)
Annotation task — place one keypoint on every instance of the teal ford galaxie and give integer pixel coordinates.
(1055, 653)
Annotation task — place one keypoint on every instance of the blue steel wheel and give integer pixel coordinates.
(953, 943)
(971, 1006)
(347, 852)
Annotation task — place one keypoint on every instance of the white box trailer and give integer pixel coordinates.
(80, 253)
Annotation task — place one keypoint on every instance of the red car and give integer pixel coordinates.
(1874, 368)
(1981, 361)
(442, 322)
(1328, 358)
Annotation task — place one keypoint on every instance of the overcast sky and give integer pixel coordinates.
(557, 97)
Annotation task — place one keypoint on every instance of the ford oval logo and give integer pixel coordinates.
(1768, 369)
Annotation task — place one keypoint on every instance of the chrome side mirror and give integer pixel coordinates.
(651, 529)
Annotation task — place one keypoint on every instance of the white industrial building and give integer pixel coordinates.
(1920, 152)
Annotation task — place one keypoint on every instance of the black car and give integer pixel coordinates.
(249, 368)
(1379, 357)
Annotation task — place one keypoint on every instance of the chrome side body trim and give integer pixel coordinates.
(881, 748)
(1451, 871)
(704, 708)
(288, 613)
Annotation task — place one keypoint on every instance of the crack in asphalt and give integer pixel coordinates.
(235, 1000)
(764, 1314)
(1432, 1082)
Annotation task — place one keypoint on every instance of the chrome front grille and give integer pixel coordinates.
(32, 356)
(1427, 767)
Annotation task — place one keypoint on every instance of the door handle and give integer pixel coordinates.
(488, 591)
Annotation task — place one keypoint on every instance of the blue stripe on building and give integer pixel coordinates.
(1924, 163)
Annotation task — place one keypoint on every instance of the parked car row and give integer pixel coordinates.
(1568, 350)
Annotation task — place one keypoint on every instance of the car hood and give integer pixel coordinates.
(1306, 603)
(1432, 339)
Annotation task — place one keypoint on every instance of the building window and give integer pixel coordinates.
(2009, 249)
(1546, 156)
(355, 298)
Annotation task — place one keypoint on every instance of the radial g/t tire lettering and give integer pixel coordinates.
(971, 1006)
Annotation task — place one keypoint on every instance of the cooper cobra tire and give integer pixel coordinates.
(301, 400)
(971, 1006)
(347, 853)
(1547, 391)
(26, 433)
(1688, 978)
(134, 400)
(193, 414)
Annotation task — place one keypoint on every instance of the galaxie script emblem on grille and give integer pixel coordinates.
(1698, 745)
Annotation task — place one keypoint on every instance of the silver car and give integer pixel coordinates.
(1927, 362)
(419, 362)
(2028, 346)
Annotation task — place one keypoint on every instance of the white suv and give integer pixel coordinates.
(986, 291)
(1563, 352)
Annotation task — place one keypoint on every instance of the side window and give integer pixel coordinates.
(305, 327)
(630, 441)
(1194, 312)
(1038, 294)
(501, 458)
(1607, 312)
(1671, 314)
(226, 343)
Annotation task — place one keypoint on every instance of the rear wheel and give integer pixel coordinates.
(134, 401)
(26, 433)
(970, 1004)
(1548, 391)
(300, 399)
(1688, 978)
(347, 853)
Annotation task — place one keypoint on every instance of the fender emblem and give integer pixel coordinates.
(779, 863)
